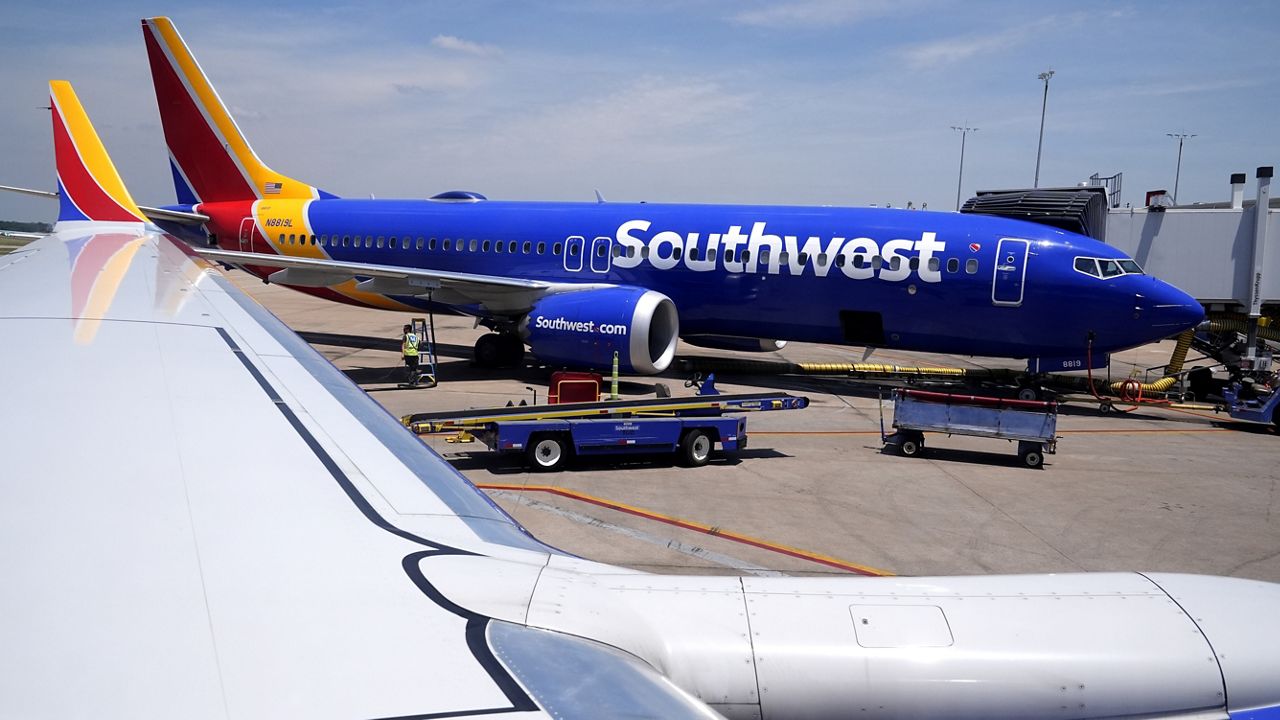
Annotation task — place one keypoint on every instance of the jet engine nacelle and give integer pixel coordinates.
(729, 342)
(584, 329)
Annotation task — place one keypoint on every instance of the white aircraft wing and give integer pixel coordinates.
(498, 294)
(202, 517)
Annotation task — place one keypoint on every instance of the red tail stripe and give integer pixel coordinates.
(78, 183)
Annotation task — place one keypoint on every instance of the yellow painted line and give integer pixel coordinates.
(691, 525)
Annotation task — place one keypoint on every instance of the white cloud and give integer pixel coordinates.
(956, 49)
(457, 44)
(814, 13)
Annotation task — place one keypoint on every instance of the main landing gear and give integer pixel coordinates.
(499, 350)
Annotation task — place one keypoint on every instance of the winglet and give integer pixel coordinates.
(89, 188)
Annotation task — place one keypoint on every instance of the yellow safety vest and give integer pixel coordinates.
(410, 345)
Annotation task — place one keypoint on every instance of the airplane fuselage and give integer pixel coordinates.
(939, 282)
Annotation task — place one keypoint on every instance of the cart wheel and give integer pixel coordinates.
(548, 453)
(695, 448)
(1028, 392)
(1032, 458)
(911, 447)
(1105, 407)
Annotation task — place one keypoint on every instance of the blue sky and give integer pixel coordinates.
(794, 102)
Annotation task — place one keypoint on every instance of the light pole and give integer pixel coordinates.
(1181, 137)
(1043, 104)
(964, 132)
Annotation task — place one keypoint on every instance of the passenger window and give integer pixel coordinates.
(676, 252)
(784, 257)
(525, 248)
(324, 240)
(346, 240)
(406, 241)
(644, 251)
(764, 255)
(971, 266)
(617, 251)
(555, 249)
(281, 238)
(448, 244)
(913, 263)
(860, 261)
(746, 256)
(802, 257)
(292, 239)
(896, 263)
(877, 262)
(600, 250)
(1110, 268)
(542, 248)
(382, 242)
(711, 254)
(934, 264)
(511, 247)
(840, 260)
(822, 258)
(728, 255)
(953, 265)
(573, 251)
(431, 244)
(484, 246)
(471, 246)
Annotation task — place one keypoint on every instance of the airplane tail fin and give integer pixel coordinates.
(89, 188)
(210, 158)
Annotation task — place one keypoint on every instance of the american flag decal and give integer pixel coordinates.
(272, 188)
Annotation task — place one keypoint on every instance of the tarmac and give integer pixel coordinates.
(1156, 489)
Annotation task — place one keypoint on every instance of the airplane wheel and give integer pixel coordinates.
(488, 350)
(548, 453)
(512, 350)
(695, 448)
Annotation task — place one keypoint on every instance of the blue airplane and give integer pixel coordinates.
(579, 282)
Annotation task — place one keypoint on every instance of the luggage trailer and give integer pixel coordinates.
(1032, 423)
(549, 435)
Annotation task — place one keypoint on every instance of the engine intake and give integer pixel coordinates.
(585, 328)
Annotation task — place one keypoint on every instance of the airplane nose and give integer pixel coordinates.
(1172, 310)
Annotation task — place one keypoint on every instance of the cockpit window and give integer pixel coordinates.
(1088, 266)
(1107, 267)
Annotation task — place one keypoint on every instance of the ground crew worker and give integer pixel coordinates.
(409, 349)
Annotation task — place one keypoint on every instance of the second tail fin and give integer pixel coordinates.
(210, 158)
(89, 188)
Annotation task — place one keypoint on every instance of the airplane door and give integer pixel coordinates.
(573, 253)
(601, 254)
(1010, 272)
(246, 235)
